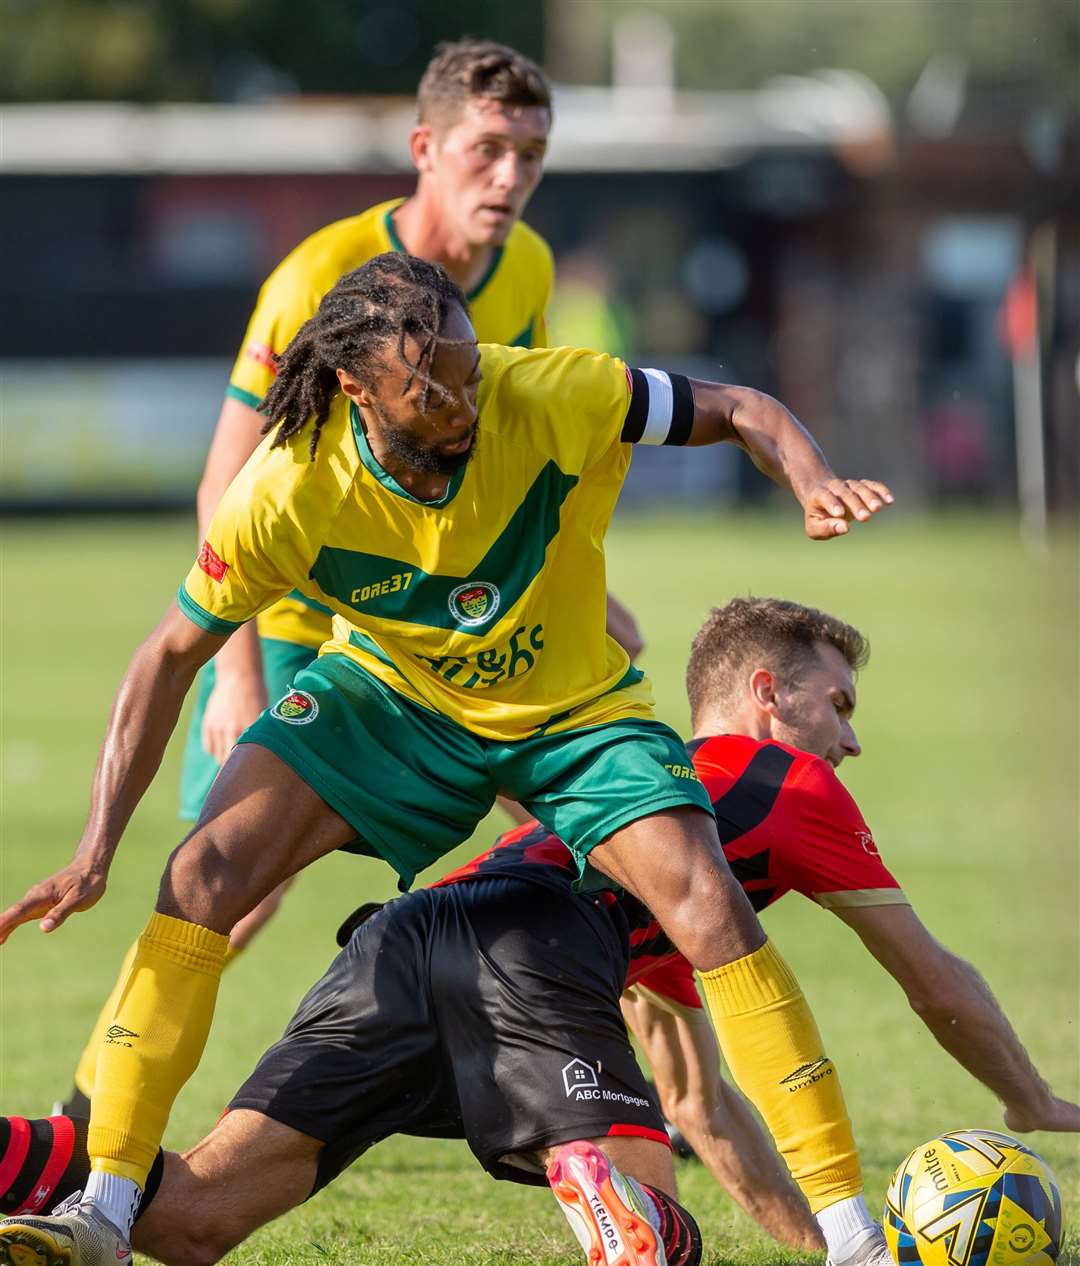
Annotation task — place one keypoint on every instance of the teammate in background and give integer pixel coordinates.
(414, 1029)
(772, 692)
(484, 113)
(470, 657)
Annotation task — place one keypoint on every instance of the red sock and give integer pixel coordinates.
(678, 1230)
(41, 1162)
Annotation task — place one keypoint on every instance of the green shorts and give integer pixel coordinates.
(415, 784)
(281, 662)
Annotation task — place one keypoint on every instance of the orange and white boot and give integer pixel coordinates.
(614, 1220)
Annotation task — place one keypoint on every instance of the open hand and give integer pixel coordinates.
(831, 505)
(53, 899)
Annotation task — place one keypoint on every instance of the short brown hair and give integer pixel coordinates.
(478, 68)
(775, 634)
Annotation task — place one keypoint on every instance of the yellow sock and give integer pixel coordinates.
(774, 1051)
(154, 1042)
(86, 1069)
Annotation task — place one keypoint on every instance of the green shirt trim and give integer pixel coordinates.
(200, 616)
(245, 397)
(399, 246)
(386, 479)
(392, 589)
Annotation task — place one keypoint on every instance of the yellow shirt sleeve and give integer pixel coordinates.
(540, 328)
(286, 301)
(572, 402)
(267, 530)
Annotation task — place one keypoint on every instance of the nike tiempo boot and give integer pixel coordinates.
(69, 1236)
(609, 1214)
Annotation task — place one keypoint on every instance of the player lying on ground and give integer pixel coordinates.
(772, 692)
(764, 673)
(484, 113)
(486, 1009)
(471, 658)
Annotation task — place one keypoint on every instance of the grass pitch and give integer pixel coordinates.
(968, 718)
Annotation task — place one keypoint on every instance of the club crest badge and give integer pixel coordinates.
(474, 603)
(297, 708)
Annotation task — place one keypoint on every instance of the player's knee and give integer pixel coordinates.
(202, 886)
(203, 1241)
(714, 922)
(201, 1250)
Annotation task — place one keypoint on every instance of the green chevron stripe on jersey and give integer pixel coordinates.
(394, 590)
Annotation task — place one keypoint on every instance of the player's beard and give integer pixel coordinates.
(425, 459)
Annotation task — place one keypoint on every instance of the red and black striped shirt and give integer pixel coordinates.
(786, 823)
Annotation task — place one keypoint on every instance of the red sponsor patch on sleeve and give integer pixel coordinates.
(210, 563)
(262, 355)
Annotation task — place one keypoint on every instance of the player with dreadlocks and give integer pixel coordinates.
(461, 546)
(391, 302)
(484, 113)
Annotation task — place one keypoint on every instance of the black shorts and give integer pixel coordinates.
(486, 1010)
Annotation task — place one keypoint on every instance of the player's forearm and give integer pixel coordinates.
(241, 657)
(731, 1145)
(777, 443)
(142, 720)
(965, 1018)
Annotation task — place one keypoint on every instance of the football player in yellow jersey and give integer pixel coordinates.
(449, 504)
(483, 120)
(484, 116)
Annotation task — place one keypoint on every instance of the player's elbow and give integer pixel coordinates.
(686, 1110)
(937, 999)
(699, 1118)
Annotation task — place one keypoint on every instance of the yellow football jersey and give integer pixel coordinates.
(488, 605)
(507, 306)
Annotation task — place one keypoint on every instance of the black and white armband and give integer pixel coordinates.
(661, 408)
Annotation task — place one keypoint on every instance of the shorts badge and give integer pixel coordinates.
(298, 708)
(474, 603)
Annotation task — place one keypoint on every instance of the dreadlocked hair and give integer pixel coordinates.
(390, 298)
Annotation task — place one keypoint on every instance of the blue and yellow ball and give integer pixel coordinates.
(973, 1198)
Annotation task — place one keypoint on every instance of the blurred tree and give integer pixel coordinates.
(740, 43)
(199, 50)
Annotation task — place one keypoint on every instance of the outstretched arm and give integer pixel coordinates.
(783, 449)
(715, 1120)
(956, 1005)
(143, 717)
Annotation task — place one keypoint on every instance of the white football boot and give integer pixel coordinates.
(873, 1251)
(69, 1236)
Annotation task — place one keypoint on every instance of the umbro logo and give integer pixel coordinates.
(807, 1074)
(118, 1035)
